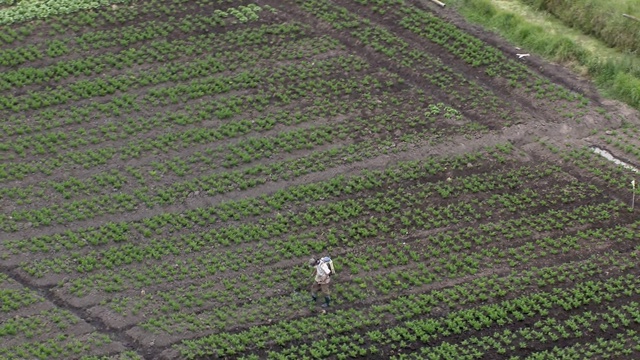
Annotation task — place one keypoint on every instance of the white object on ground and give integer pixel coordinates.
(607, 155)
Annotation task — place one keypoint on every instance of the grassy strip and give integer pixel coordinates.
(617, 74)
(600, 18)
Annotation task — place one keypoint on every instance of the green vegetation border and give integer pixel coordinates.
(600, 18)
(617, 74)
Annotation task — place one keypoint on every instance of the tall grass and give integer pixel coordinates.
(600, 18)
(617, 76)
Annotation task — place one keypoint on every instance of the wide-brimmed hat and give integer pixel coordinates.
(312, 261)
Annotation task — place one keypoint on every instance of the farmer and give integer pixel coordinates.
(322, 274)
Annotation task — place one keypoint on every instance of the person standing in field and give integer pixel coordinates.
(323, 269)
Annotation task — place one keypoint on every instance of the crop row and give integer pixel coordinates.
(80, 21)
(125, 15)
(287, 142)
(295, 195)
(165, 310)
(468, 96)
(215, 182)
(465, 95)
(619, 320)
(185, 138)
(171, 72)
(157, 51)
(350, 234)
(48, 118)
(266, 228)
(611, 174)
(63, 346)
(496, 345)
(369, 181)
(477, 53)
(18, 34)
(21, 12)
(623, 346)
(54, 142)
(122, 15)
(478, 321)
(114, 179)
(125, 355)
(13, 296)
(234, 210)
(51, 320)
(333, 213)
(127, 35)
(33, 328)
(624, 139)
(307, 72)
(452, 263)
(223, 108)
(470, 49)
(198, 161)
(424, 330)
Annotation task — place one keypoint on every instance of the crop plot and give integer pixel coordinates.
(33, 327)
(169, 166)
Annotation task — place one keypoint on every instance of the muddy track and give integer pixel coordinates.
(46, 293)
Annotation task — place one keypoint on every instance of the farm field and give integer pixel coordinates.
(168, 167)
